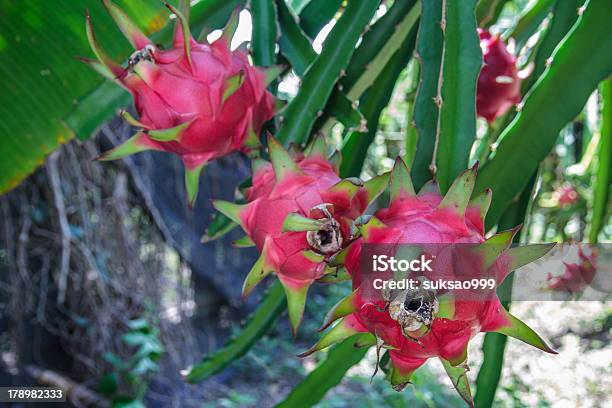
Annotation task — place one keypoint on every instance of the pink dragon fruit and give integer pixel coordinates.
(576, 275)
(566, 195)
(417, 324)
(299, 214)
(499, 86)
(197, 100)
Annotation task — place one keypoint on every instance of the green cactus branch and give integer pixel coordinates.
(208, 15)
(356, 144)
(317, 14)
(456, 98)
(494, 344)
(297, 5)
(548, 106)
(393, 24)
(296, 47)
(259, 323)
(529, 21)
(377, 47)
(265, 32)
(327, 375)
(429, 54)
(294, 43)
(601, 184)
(448, 49)
(318, 82)
(488, 11)
(411, 132)
(565, 13)
(372, 67)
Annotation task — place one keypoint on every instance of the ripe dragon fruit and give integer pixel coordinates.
(566, 195)
(418, 324)
(197, 100)
(299, 214)
(576, 275)
(499, 86)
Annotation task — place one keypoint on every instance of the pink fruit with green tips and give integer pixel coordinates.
(577, 275)
(299, 215)
(419, 324)
(566, 195)
(499, 85)
(197, 100)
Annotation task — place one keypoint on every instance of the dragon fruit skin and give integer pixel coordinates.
(566, 195)
(197, 100)
(499, 86)
(299, 214)
(576, 275)
(429, 218)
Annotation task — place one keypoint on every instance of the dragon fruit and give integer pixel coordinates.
(499, 86)
(197, 100)
(566, 195)
(417, 324)
(576, 275)
(299, 214)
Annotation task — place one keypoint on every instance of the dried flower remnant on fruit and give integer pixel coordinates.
(328, 238)
(412, 309)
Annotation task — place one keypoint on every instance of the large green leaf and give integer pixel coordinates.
(461, 63)
(41, 79)
(429, 53)
(260, 323)
(327, 375)
(579, 63)
(318, 82)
